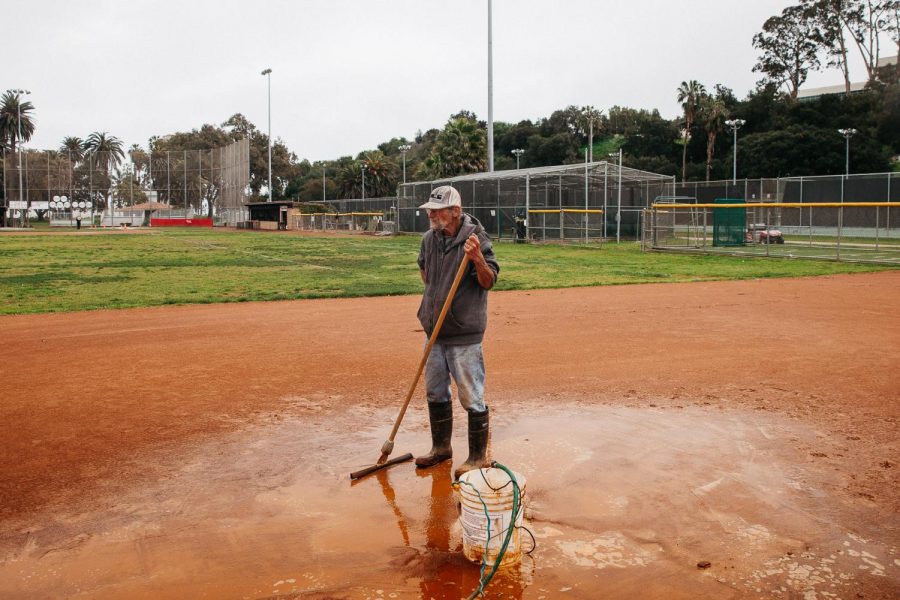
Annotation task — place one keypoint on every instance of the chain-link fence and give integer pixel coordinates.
(104, 186)
(378, 215)
(848, 231)
(854, 188)
(588, 201)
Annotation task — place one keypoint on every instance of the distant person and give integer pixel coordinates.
(457, 351)
(77, 220)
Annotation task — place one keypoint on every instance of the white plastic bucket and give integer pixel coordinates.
(497, 493)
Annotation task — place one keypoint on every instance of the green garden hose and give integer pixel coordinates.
(516, 505)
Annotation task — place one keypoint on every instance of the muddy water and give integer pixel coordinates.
(623, 503)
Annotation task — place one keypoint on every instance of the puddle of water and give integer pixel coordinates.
(622, 503)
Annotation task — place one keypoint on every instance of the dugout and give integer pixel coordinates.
(270, 215)
(576, 202)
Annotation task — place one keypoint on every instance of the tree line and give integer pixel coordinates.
(779, 135)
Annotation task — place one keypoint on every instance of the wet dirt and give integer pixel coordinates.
(206, 451)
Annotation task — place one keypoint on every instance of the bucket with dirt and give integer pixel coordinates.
(496, 490)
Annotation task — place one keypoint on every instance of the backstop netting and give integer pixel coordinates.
(578, 202)
(102, 187)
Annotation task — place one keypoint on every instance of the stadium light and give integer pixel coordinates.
(518, 152)
(404, 148)
(592, 115)
(19, 122)
(847, 133)
(268, 74)
(735, 124)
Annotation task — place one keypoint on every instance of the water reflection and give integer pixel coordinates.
(437, 561)
(446, 573)
(391, 497)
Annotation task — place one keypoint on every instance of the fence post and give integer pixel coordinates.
(585, 195)
(499, 214)
(704, 229)
(527, 205)
(840, 228)
(877, 208)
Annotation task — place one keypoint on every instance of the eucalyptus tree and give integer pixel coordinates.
(866, 21)
(689, 94)
(790, 48)
(829, 18)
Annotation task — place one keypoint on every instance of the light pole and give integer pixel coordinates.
(490, 124)
(404, 148)
(847, 133)
(619, 201)
(363, 169)
(268, 74)
(19, 124)
(518, 152)
(735, 124)
(592, 114)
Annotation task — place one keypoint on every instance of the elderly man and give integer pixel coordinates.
(457, 350)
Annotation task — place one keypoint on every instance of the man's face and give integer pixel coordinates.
(440, 219)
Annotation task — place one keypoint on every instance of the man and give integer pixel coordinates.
(457, 350)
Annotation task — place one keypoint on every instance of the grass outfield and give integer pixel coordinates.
(58, 272)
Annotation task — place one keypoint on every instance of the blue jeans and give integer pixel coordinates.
(466, 365)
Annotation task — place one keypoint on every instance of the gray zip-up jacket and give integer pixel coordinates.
(439, 258)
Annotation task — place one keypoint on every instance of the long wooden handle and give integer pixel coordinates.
(389, 444)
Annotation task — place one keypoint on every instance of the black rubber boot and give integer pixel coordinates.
(479, 430)
(441, 416)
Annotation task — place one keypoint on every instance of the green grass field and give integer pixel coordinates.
(49, 273)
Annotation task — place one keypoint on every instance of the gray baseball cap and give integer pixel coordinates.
(443, 197)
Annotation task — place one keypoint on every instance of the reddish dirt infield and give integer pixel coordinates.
(203, 451)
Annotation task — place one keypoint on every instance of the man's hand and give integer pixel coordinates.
(472, 248)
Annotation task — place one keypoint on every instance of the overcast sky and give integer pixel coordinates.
(347, 75)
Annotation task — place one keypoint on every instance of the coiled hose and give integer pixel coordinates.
(483, 580)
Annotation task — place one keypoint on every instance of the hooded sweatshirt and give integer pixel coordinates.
(440, 257)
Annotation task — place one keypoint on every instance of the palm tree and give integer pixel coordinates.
(73, 147)
(689, 94)
(109, 149)
(99, 142)
(713, 112)
(11, 109)
(16, 125)
(349, 179)
(381, 175)
(460, 148)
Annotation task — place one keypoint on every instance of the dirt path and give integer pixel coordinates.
(108, 416)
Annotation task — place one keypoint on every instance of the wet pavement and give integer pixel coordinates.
(622, 502)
